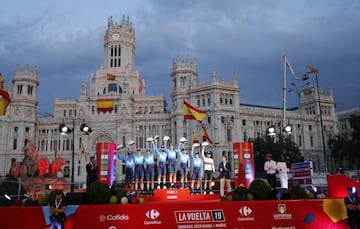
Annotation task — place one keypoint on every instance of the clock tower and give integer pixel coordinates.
(119, 46)
(118, 75)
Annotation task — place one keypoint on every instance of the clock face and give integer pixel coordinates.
(116, 36)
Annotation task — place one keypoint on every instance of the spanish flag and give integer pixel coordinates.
(4, 97)
(205, 136)
(194, 138)
(105, 104)
(191, 112)
(83, 151)
(110, 76)
(312, 70)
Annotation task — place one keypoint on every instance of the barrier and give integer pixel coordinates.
(327, 213)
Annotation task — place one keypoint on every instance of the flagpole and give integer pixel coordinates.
(202, 169)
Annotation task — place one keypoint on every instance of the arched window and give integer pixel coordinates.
(112, 87)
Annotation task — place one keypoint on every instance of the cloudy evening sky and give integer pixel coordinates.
(64, 39)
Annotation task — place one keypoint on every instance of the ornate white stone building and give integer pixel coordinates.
(117, 109)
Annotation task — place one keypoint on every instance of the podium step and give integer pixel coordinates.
(179, 195)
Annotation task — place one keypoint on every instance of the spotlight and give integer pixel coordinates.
(288, 129)
(271, 131)
(8, 197)
(352, 189)
(64, 130)
(85, 128)
(315, 189)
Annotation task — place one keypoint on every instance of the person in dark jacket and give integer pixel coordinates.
(91, 170)
(57, 211)
(352, 208)
(225, 171)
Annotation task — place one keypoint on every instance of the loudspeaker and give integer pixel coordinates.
(76, 198)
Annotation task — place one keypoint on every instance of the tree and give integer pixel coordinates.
(345, 147)
(339, 145)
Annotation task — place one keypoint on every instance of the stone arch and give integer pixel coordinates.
(102, 136)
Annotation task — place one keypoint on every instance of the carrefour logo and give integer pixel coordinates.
(245, 211)
(152, 214)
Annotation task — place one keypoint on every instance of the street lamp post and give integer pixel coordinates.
(64, 130)
(305, 77)
(73, 155)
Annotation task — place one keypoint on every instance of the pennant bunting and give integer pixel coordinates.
(312, 70)
(205, 136)
(194, 138)
(83, 151)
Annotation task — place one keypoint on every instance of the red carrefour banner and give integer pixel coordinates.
(327, 213)
(244, 171)
(106, 159)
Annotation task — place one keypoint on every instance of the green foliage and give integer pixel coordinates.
(355, 124)
(250, 196)
(113, 199)
(299, 192)
(43, 200)
(241, 190)
(141, 200)
(120, 193)
(260, 189)
(98, 193)
(310, 195)
(344, 148)
(240, 193)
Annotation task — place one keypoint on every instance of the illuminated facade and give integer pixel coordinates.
(117, 108)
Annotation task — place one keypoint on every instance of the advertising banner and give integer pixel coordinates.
(106, 159)
(287, 214)
(244, 171)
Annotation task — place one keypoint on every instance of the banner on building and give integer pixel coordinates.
(105, 104)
